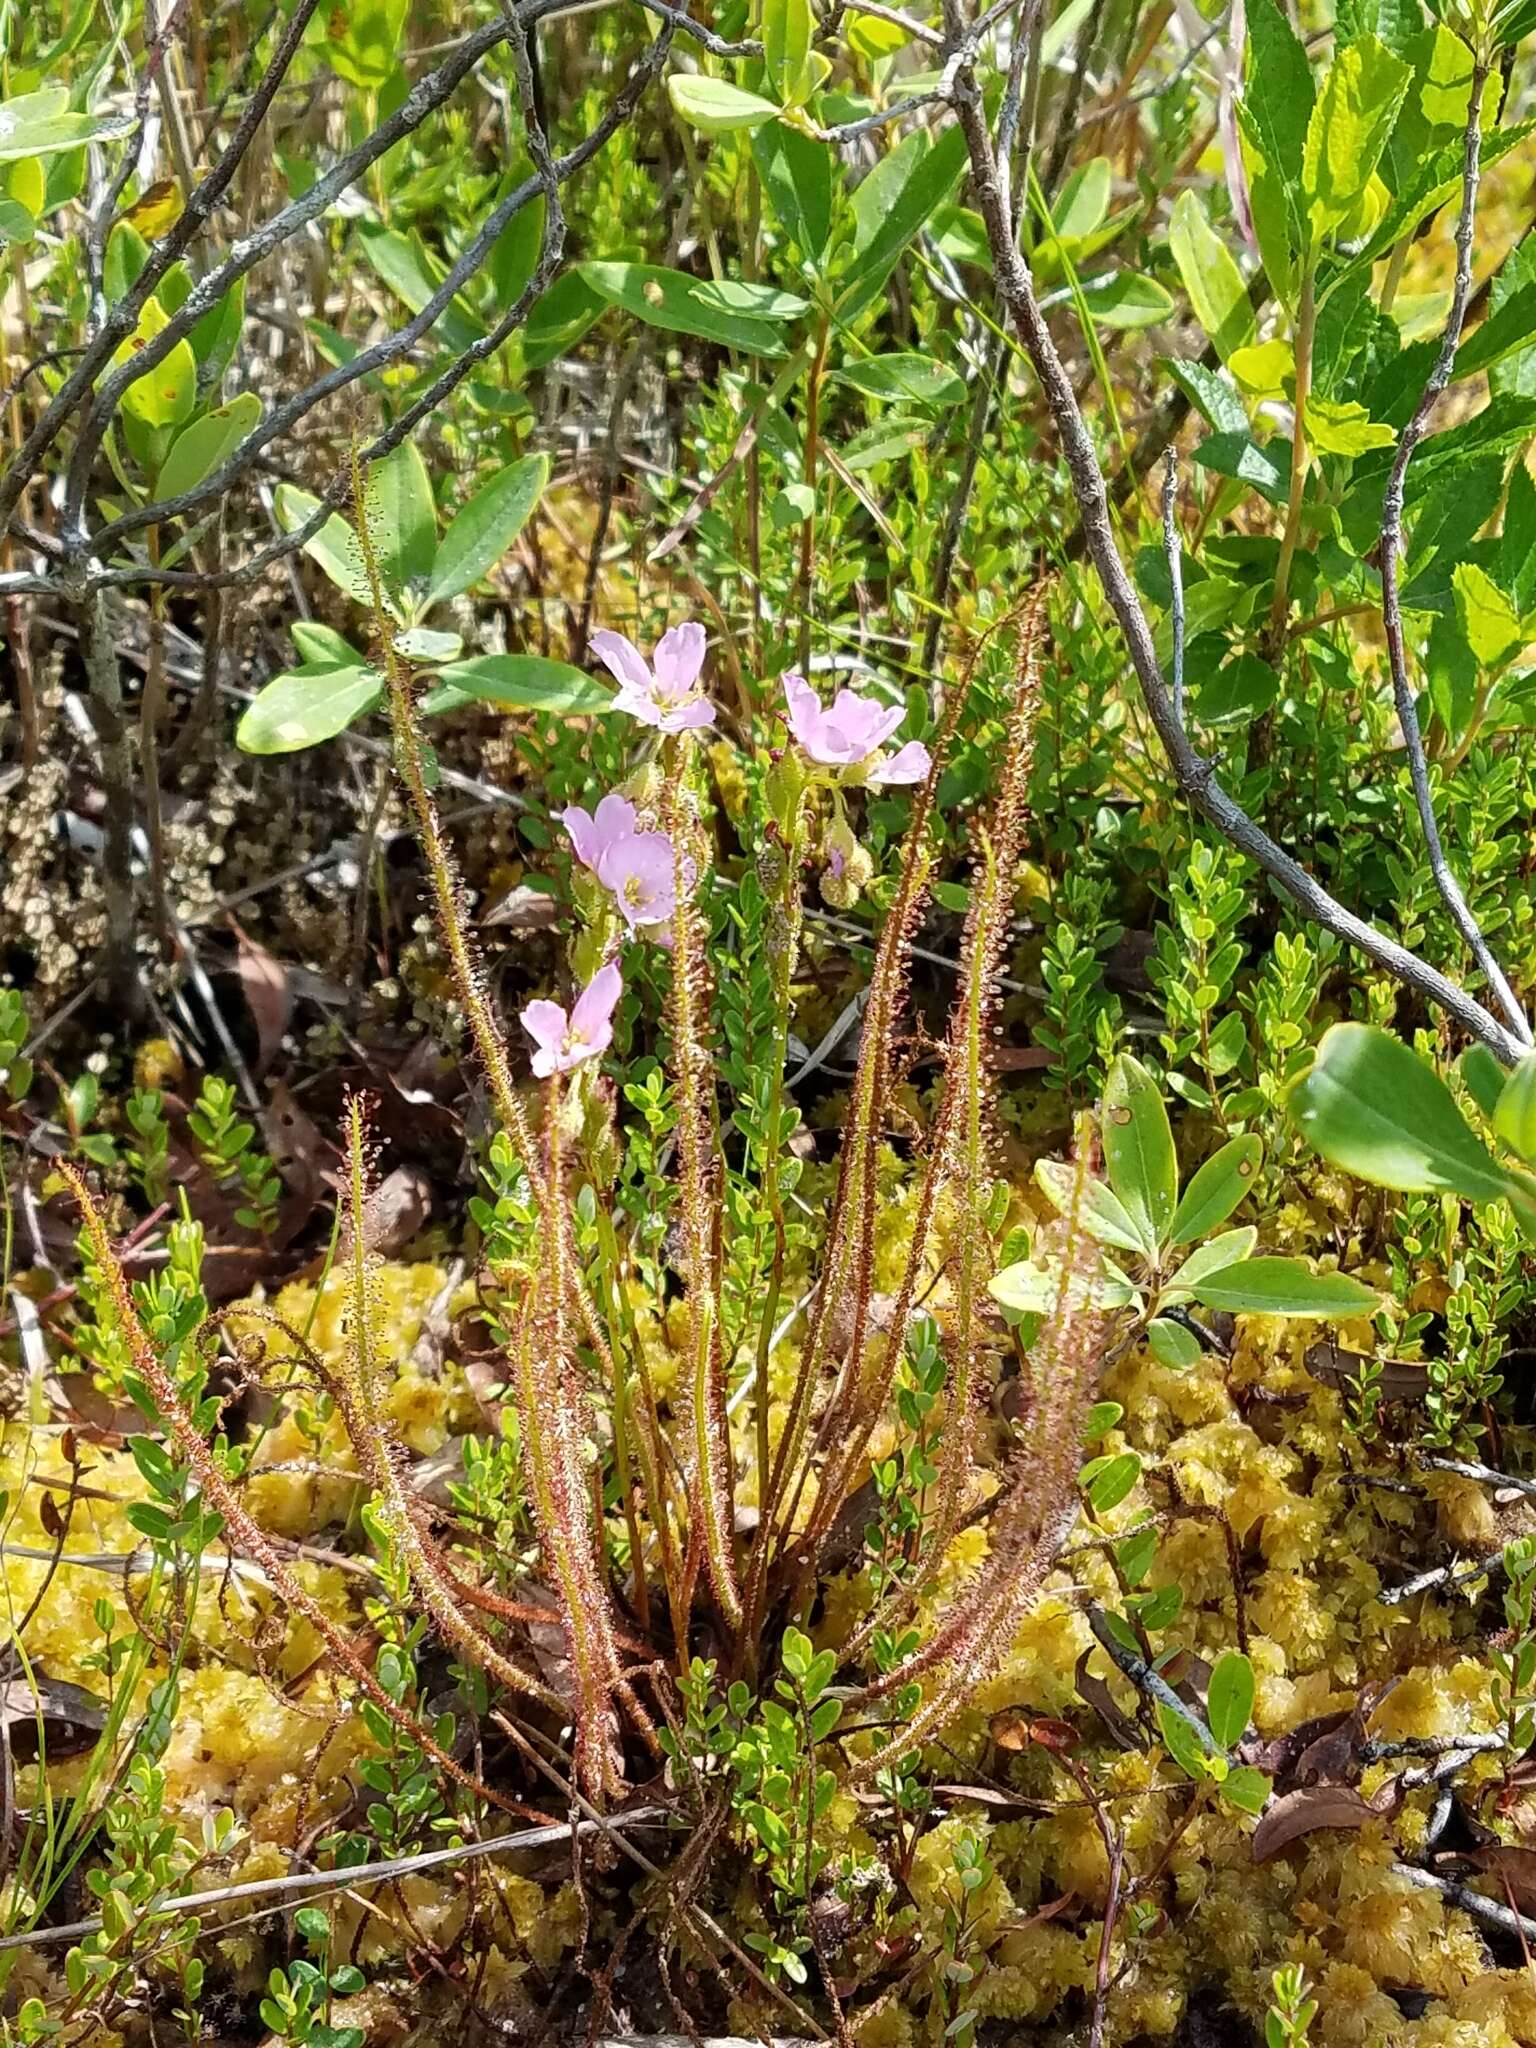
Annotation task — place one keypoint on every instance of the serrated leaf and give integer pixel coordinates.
(1348, 129)
(1492, 625)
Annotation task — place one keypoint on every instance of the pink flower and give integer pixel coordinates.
(663, 692)
(908, 764)
(562, 1042)
(853, 729)
(639, 870)
(593, 832)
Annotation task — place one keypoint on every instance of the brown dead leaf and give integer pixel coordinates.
(396, 1211)
(997, 1797)
(71, 1717)
(1310, 1807)
(1401, 1378)
(1093, 1692)
(298, 1150)
(1513, 1867)
(1014, 1728)
(268, 996)
(524, 909)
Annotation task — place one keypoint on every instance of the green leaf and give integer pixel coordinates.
(1038, 1290)
(1377, 1110)
(1209, 393)
(899, 196)
(1271, 1286)
(402, 262)
(306, 706)
(1138, 1150)
(1279, 95)
(1348, 129)
(216, 337)
(1211, 1257)
(1514, 1118)
(1102, 1213)
(481, 533)
(1173, 1345)
(1484, 1077)
(786, 30)
(402, 519)
(17, 223)
(520, 682)
(888, 440)
(714, 107)
(917, 379)
(1344, 427)
(207, 444)
(1216, 1189)
(559, 318)
(1491, 623)
(1229, 1698)
(757, 301)
(1246, 1788)
(40, 123)
(666, 299)
(322, 646)
(366, 49)
(1211, 277)
(1240, 456)
(1124, 298)
(1101, 1418)
(797, 175)
(166, 395)
(1185, 1741)
(1083, 201)
(334, 547)
(424, 643)
(1108, 1480)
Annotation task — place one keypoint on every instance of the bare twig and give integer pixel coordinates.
(312, 1883)
(1196, 776)
(1391, 548)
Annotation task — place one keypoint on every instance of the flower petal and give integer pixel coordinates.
(699, 712)
(545, 1022)
(592, 1012)
(582, 829)
(623, 659)
(910, 763)
(640, 705)
(678, 659)
(615, 818)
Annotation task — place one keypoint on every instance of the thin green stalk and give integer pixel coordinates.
(1306, 326)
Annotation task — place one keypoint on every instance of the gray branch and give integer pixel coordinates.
(549, 175)
(1391, 548)
(1196, 776)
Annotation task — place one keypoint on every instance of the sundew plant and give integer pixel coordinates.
(767, 1086)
